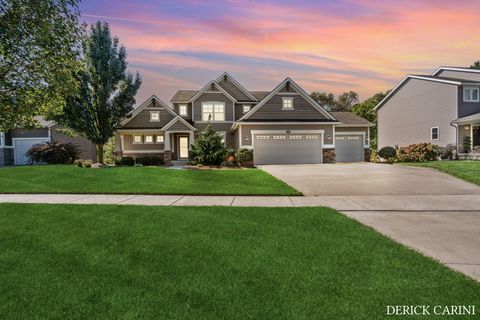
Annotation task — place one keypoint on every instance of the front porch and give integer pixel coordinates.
(468, 134)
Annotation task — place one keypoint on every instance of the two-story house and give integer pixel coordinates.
(284, 125)
(441, 108)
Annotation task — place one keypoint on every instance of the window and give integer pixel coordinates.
(148, 139)
(470, 94)
(434, 133)
(278, 137)
(213, 111)
(182, 110)
(155, 116)
(159, 139)
(262, 137)
(295, 137)
(287, 103)
(246, 108)
(137, 139)
(311, 137)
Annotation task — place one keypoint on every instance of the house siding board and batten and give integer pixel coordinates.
(142, 119)
(407, 117)
(213, 97)
(232, 89)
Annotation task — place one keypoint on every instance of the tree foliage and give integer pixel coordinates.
(366, 110)
(344, 102)
(208, 148)
(475, 65)
(106, 89)
(54, 152)
(39, 49)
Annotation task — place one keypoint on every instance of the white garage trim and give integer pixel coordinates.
(353, 133)
(254, 132)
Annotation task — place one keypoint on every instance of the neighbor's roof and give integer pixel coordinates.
(459, 81)
(349, 118)
(44, 123)
(471, 118)
(183, 95)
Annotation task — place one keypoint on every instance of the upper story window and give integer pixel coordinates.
(434, 133)
(182, 110)
(246, 108)
(154, 116)
(137, 139)
(470, 94)
(287, 103)
(213, 111)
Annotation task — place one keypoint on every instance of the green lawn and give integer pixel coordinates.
(132, 262)
(140, 180)
(466, 170)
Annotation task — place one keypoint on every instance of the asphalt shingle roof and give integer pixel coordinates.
(349, 118)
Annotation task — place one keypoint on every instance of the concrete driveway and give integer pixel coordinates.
(365, 179)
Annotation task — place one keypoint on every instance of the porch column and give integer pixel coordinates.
(2, 139)
(192, 137)
(167, 141)
(167, 153)
(122, 143)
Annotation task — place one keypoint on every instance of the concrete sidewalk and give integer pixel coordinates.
(342, 203)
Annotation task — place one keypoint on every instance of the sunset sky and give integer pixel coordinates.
(334, 46)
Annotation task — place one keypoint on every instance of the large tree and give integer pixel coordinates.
(475, 65)
(366, 110)
(344, 102)
(39, 47)
(106, 92)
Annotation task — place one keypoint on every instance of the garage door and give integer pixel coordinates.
(287, 148)
(349, 148)
(21, 146)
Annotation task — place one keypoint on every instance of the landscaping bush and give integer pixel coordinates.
(87, 163)
(208, 148)
(467, 144)
(387, 153)
(150, 161)
(244, 155)
(417, 153)
(54, 152)
(447, 152)
(231, 155)
(79, 163)
(374, 156)
(125, 161)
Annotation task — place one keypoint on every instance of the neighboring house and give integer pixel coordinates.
(442, 108)
(16, 142)
(284, 125)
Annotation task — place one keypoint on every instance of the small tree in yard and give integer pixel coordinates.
(106, 91)
(208, 148)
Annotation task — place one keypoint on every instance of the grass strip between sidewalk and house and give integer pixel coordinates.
(140, 180)
(463, 169)
(118, 262)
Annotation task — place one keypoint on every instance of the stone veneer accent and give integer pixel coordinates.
(328, 155)
(167, 158)
(366, 155)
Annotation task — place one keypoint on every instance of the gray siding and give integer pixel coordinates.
(189, 110)
(218, 127)
(86, 147)
(246, 131)
(354, 129)
(178, 126)
(216, 97)
(459, 74)
(239, 109)
(28, 133)
(466, 108)
(233, 90)
(410, 113)
(272, 110)
(142, 119)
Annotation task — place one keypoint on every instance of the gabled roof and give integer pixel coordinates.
(468, 119)
(207, 86)
(350, 118)
(145, 104)
(260, 95)
(237, 84)
(462, 69)
(298, 89)
(175, 120)
(183, 95)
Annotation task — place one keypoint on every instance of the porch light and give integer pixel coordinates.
(246, 138)
(329, 137)
(467, 127)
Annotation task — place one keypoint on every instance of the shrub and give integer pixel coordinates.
(244, 155)
(230, 164)
(79, 163)
(125, 161)
(231, 155)
(417, 153)
(447, 152)
(374, 156)
(467, 144)
(208, 148)
(87, 163)
(387, 153)
(54, 152)
(150, 161)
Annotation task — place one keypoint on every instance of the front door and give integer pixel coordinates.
(476, 136)
(183, 147)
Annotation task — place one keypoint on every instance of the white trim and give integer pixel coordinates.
(277, 123)
(32, 138)
(295, 87)
(174, 120)
(355, 125)
(213, 121)
(2, 139)
(354, 133)
(155, 112)
(394, 90)
(281, 93)
(186, 109)
(145, 104)
(235, 82)
(454, 69)
(246, 147)
(142, 151)
(137, 135)
(122, 142)
(470, 87)
(431, 133)
(240, 136)
(328, 146)
(213, 103)
(205, 88)
(283, 103)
